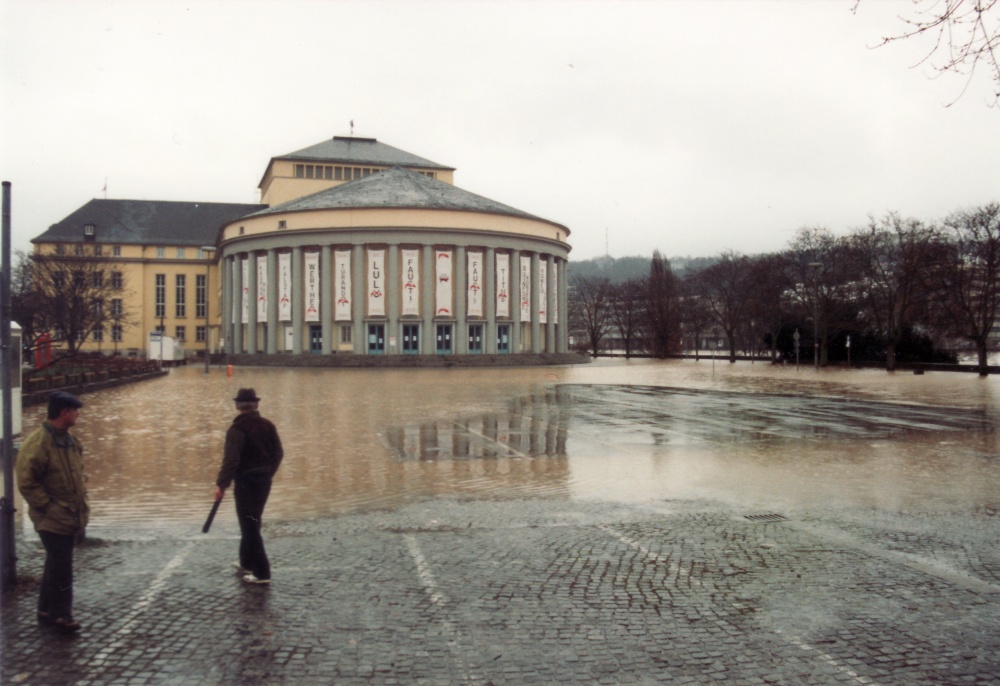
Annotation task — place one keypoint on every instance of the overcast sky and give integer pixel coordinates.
(688, 127)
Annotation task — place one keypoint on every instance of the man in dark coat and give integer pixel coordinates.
(252, 455)
(50, 477)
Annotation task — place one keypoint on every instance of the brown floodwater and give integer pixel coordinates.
(760, 436)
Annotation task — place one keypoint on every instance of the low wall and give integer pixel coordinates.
(375, 361)
(42, 397)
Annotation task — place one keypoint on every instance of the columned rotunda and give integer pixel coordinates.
(366, 249)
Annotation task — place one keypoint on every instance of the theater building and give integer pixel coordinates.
(360, 248)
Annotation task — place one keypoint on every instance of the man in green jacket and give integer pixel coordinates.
(50, 477)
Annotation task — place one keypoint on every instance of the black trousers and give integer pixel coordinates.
(55, 596)
(251, 495)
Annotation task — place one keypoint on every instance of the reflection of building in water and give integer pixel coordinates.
(535, 426)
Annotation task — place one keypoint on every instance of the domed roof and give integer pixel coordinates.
(396, 188)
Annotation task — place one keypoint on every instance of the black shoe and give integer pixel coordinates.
(67, 624)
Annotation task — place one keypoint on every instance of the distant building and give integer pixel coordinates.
(356, 247)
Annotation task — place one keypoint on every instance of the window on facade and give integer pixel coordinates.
(59, 279)
(345, 333)
(199, 334)
(200, 300)
(116, 333)
(160, 252)
(180, 333)
(60, 250)
(116, 280)
(161, 295)
(98, 251)
(99, 334)
(181, 293)
(98, 309)
(338, 173)
(309, 171)
(78, 250)
(98, 279)
(328, 173)
(180, 253)
(78, 279)
(300, 171)
(116, 307)
(116, 251)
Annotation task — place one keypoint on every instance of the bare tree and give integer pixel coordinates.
(663, 330)
(694, 314)
(895, 255)
(968, 280)
(768, 278)
(725, 290)
(964, 35)
(70, 297)
(822, 274)
(590, 307)
(627, 310)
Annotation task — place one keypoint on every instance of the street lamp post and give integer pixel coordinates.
(815, 267)
(207, 250)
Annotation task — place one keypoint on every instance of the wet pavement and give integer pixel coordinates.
(619, 524)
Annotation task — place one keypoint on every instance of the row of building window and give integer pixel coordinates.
(338, 173)
(79, 279)
(180, 296)
(180, 334)
(80, 250)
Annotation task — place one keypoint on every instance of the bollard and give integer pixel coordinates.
(229, 370)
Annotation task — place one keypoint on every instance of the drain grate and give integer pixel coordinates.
(772, 517)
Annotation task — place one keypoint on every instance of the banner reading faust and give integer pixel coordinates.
(261, 289)
(411, 282)
(285, 286)
(475, 280)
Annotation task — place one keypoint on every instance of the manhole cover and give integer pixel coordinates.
(766, 518)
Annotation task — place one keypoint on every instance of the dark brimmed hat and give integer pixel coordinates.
(61, 400)
(246, 395)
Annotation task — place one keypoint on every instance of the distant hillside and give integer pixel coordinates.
(620, 269)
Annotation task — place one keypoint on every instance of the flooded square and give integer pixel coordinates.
(759, 436)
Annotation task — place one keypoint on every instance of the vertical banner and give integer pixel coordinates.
(261, 289)
(503, 285)
(245, 295)
(474, 279)
(342, 270)
(543, 291)
(285, 287)
(312, 287)
(411, 282)
(525, 288)
(376, 283)
(555, 292)
(442, 267)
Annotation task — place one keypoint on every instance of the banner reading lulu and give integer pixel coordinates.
(543, 291)
(261, 289)
(525, 288)
(442, 268)
(475, 278)
(245, 296)
(376, 283)
(342, 268)
(411, 282)
(285, 287)
(503, 285)
(312, 286)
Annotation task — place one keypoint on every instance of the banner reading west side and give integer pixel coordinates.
(312, 287)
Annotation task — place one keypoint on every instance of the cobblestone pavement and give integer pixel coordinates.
(533, 591)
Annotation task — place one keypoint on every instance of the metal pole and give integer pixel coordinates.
(8, 572)
(208, 250)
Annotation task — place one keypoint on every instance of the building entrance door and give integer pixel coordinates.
(475, 339)
(376, 339)
(444, 339)
(411, 339)
(503, 338)
(315, 339)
